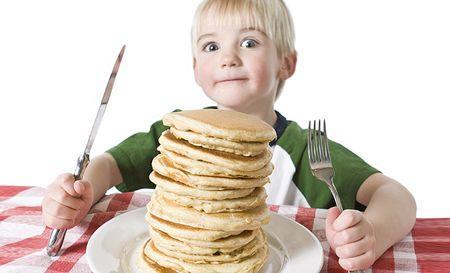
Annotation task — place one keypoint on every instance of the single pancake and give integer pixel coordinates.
(229, 125)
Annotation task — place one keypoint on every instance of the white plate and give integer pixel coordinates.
(113, 247)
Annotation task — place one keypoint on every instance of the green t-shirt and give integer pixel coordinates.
(291, 182)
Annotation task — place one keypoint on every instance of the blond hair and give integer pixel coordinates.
(268, 16)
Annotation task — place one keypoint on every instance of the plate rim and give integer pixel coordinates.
(310, 233)
(137, 210)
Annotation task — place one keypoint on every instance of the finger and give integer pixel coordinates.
(87, 190)
(349, 235)
(66, 182)
(56, 209)
(355, 249)
(61, 196)
(347, 219)
(56, 223)
(79, 188)
(357, 263)
(333, 213)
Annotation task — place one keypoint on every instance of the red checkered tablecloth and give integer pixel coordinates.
(23, 237)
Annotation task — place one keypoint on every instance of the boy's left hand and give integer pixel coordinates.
(352, 237)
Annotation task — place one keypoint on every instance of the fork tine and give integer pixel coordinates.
(316, 142)
(325, 143)
(320, 147)
(313, 151)
(327, 147)
(310, 155)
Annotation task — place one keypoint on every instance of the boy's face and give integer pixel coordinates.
(236, 67)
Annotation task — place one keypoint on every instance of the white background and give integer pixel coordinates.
(378, 71)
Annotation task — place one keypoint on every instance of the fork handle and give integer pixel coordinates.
(335, 194)
(337, 200)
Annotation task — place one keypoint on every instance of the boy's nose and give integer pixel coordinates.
(230, 60)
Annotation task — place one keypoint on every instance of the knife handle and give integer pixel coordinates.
(82, 162)
(57, 237)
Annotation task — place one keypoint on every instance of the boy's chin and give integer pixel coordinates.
(231, 100)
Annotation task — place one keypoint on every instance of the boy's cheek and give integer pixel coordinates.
(202, 72)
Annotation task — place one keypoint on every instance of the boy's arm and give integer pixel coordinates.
(390, 208)
(102, 173)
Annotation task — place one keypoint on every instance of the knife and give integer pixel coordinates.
(57, 237)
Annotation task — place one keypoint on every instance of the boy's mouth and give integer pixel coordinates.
(232, 80)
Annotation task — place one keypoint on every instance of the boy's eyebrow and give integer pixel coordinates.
(204, 36)
(241, 31)
(248, 29)
(252, 29)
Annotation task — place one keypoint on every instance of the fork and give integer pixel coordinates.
(320, 162)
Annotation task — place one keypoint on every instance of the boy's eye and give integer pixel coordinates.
(249, 43)
(210, 47)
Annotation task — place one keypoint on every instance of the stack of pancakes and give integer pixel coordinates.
(209, 205)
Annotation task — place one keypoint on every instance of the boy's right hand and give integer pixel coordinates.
(66, 202)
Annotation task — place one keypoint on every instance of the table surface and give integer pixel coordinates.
(23, 236)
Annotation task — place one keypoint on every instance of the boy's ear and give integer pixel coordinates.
(288, 64)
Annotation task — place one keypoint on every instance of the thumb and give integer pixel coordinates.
(333, 213)
(83, 188)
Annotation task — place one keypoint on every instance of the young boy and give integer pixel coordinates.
(243, 51)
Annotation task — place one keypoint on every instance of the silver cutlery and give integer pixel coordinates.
(57, 237)
(320, 161)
